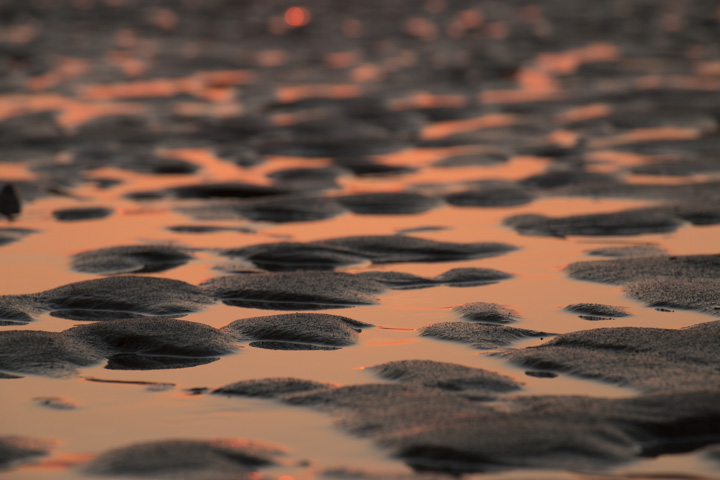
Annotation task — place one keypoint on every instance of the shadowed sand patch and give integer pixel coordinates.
(627, 222)
(76, 214)
(487, 312)
(45, 353)
(116, 297)
(201, 459)
(336, 252)
(129, 259)
(9, 235)
(627, 251)
(479, 335)
(16, 449)
(294, 290)
(435, 431)
(446, 376)
(276, 209)
(271, 387)
(387, 203)
(305, 329)
(651, 359)
(596, 311)
(491, 196)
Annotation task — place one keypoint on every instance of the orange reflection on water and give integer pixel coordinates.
(342, 59)
(206, 85)
(444, 129)
(61, 462)
(202, 109)
(67, 69)
(71, 113)
(297, 16)
(428, 100)
(567, 62)
(587, 112)
(518, 96)
(291, 94)
(640, 135)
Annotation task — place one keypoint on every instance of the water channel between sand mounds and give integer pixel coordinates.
(374, 240)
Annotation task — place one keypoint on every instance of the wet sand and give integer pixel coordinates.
(369, 240)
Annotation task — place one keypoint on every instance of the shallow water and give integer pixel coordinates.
(179, 97)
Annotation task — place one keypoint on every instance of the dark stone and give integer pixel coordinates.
(479, 335)
(309, 328)
(129, 259)
(487, 312)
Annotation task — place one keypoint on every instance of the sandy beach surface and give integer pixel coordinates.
(392, 240)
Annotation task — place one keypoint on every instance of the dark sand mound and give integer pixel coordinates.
(129, 259)
(271, 387)
(400, 248)
(86, 213)
(338, 252)
(479, 335)
(652, 359)
(9, 234)
(15, 449)
(202, 459)
(294, 290)
(445, 376)
(45, 353)
(687, 293)
(596, 311)
(626, 270)
(153, 336)
(457, 277)
(119, 297)
(491, 196)
(303, 328)
(487, 312)
(627, 222)
(387, 203)
(289, 256)
(146, 343)
(432, 430)
(627, 251)
(687, 282)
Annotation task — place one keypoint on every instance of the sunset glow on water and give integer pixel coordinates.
(283, 241)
